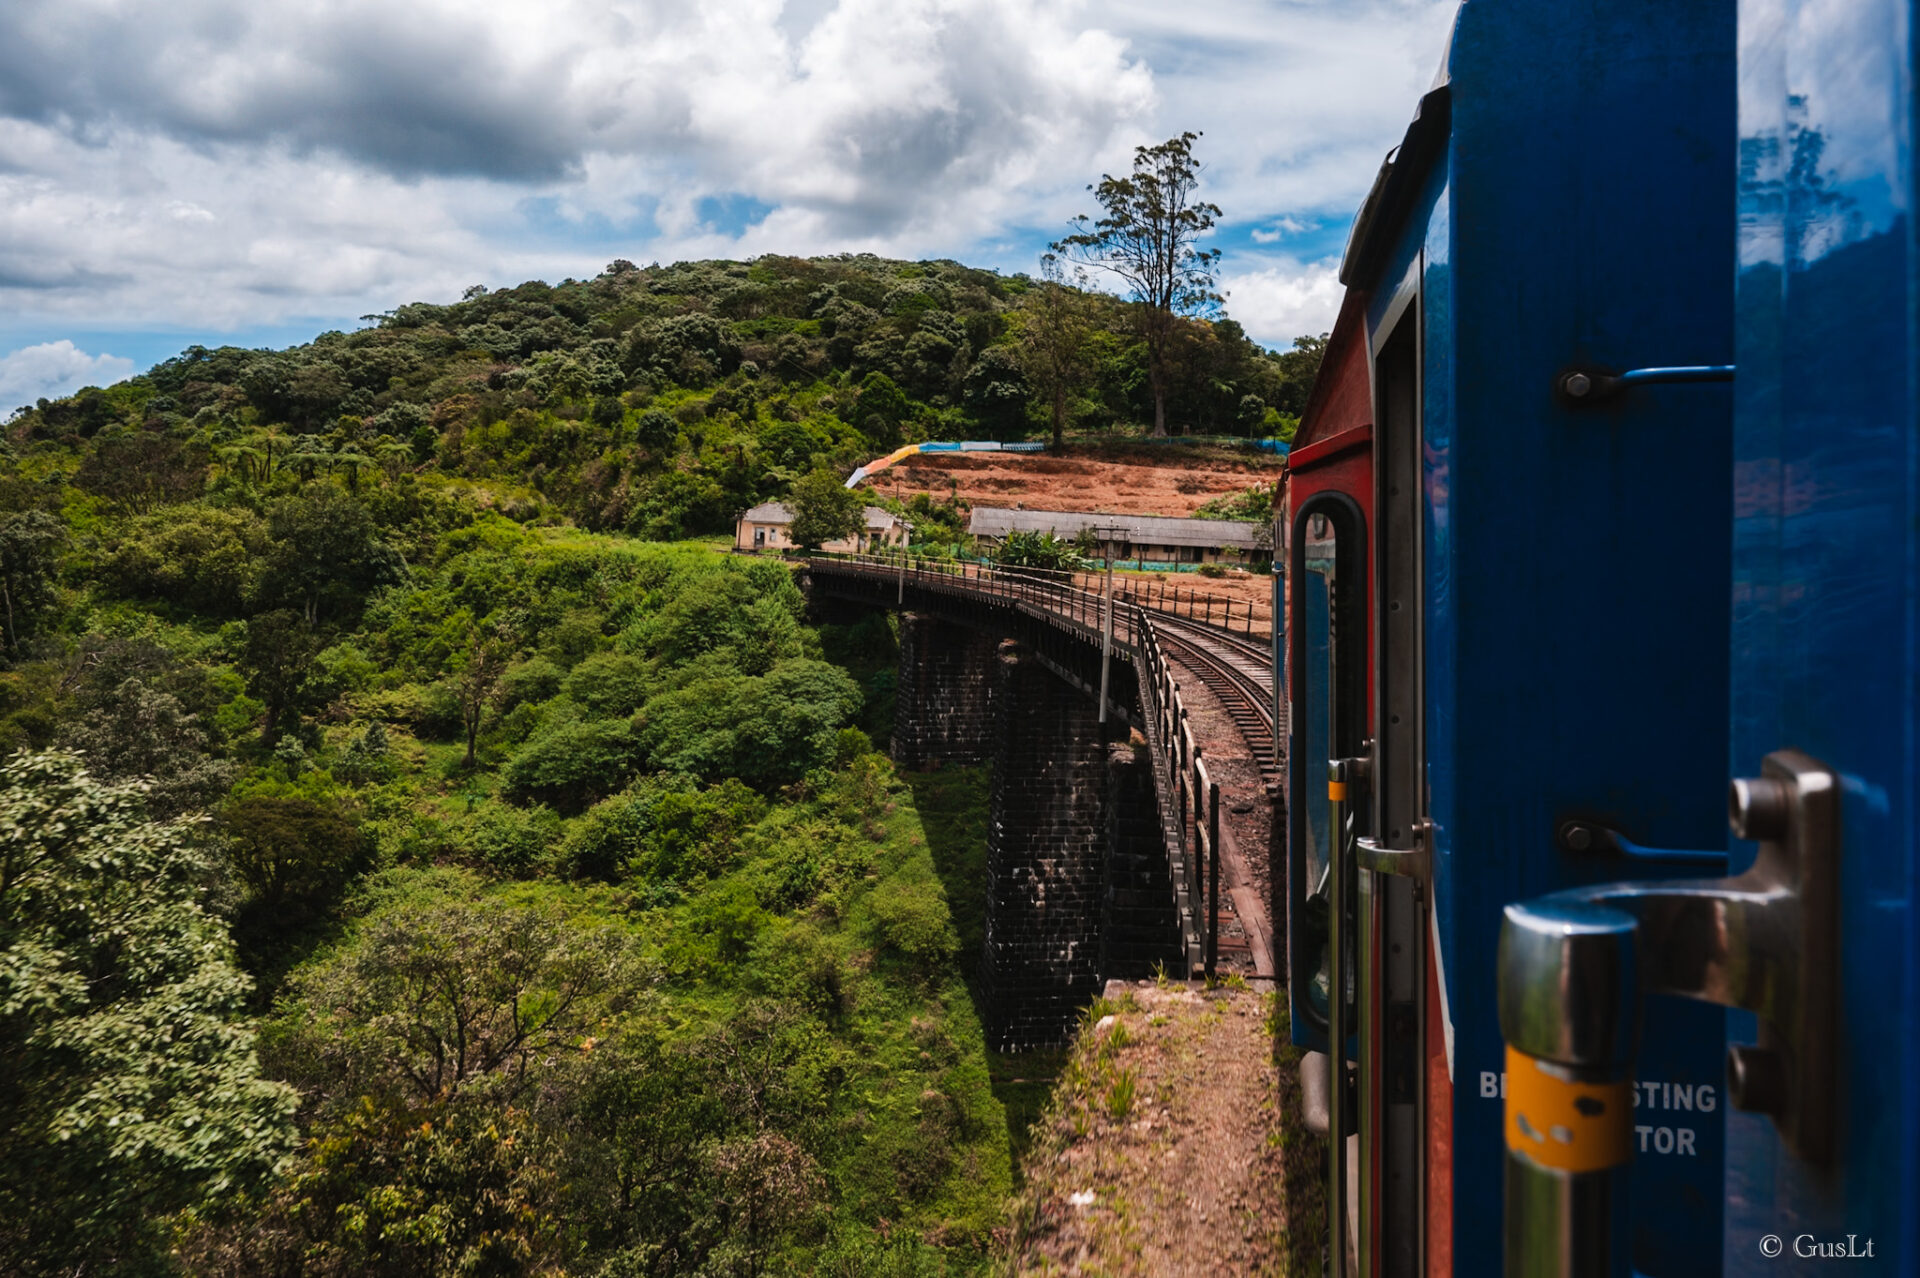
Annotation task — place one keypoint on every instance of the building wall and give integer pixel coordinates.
(1149, 553)
(772, 538)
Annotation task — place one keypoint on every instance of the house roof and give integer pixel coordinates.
(1150, 530)
(778, 512)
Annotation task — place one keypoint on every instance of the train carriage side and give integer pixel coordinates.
(1549, 588)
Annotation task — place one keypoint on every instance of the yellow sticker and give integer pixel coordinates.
(1563, 1125)
(1336, 791)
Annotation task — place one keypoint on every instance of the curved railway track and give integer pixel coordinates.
(1237, 672)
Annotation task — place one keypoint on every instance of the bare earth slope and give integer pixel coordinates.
(1172, 1147)
(1142, 480)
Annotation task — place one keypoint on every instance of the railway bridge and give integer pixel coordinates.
(1135, 798)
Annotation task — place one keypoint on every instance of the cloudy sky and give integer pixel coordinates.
(225, 171)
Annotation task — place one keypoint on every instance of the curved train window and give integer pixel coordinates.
(1326, 685)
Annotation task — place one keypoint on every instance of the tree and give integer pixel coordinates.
(997, 391)
(882, 409)
(442, 993)
(292, 856)
(1147, 240)
(656, 432)
(327, 554)
(1298, 369)
(476, 684)
(277, 660)
(824, 509)
(29, 542)
(426, 1044)
(1056, 320)
(133, 730)
(129, 1087)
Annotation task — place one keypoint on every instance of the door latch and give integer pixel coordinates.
(1571, 969)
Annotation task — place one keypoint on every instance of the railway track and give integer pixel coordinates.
(1237, 672)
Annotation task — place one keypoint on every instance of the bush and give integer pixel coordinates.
(511, 841)
(570, 764)
(608, 684)
(535, 680)
(766, 731)
(911, 921)
(1212, 570)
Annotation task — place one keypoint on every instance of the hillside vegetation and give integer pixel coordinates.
(658, 401)
(419, 858)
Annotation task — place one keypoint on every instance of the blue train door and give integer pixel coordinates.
(1824, 641)
(1812, 939)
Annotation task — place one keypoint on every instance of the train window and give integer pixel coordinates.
(1316, 728)
(1327, 691)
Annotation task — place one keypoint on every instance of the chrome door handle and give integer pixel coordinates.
(1415, 862)
(1571, 970)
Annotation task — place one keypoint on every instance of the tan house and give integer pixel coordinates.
(764, 528)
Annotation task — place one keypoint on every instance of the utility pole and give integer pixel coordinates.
(906, 535)
(1106, 624)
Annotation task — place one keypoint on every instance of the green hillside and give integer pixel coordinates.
(419, 858)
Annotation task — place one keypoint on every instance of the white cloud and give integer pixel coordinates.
(1278, 231)
(1278, 303)
(55, 368)
(220, 165)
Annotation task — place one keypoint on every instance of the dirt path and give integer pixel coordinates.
(1172, 1146)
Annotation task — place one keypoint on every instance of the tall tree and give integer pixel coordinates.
(129, 1086)
(1056, 319)
(1148, 240)
(29, 543)
(477, 682)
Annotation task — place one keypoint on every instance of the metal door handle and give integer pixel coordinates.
(1415, 862)
(1572, 967)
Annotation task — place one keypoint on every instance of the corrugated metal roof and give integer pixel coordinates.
(1150, 530)
(778, 512)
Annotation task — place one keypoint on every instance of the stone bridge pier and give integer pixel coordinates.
(1077, 884)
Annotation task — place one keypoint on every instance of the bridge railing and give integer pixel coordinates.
(1189, 796)
(1036, 588)
(1157, 596)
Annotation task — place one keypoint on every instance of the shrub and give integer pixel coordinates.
(535, 679)
(608, 684)
(766, 731)
(511, 841)
(570, 764)
(911, 920)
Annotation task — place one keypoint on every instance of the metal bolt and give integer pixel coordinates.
(1579, 838)
(1756, 1079)
(1576, 385)
(1757, 807)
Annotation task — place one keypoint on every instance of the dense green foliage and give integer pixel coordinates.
(581, 927)
(659, 401)
(412, 865)
(129, 1086)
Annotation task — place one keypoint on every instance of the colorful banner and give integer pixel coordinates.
(943, 446)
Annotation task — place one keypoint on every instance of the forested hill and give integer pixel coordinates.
(411, 866)
(661, 401)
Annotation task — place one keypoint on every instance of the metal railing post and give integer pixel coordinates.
(1213, 877)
